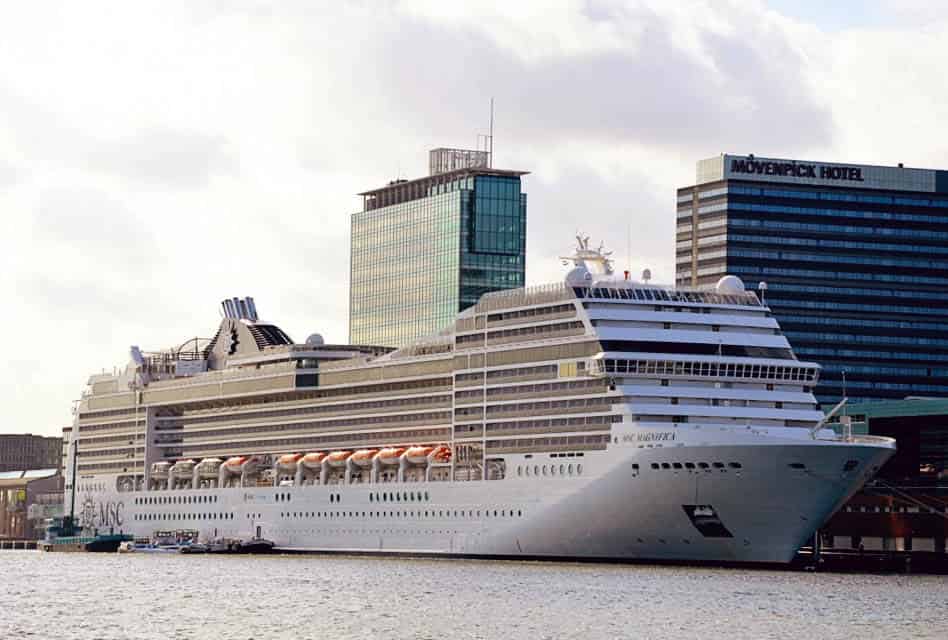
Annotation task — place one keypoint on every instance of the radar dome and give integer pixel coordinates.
(729, 285)
(315, 340)
(579, 276)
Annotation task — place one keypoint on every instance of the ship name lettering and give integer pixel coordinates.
(655, 436)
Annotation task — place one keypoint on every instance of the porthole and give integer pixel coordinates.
(569, 469)
(519, 470)
(579, 469)
(562, 469)
(676, 465)
(734, 465)
(528, 471)
(544, 469)
(536, 470)
(665, 465)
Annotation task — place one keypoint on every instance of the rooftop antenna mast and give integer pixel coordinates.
(490, 137)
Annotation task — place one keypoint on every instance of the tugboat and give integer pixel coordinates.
(63, 535)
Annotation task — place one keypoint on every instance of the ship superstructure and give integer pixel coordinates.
(598, 417)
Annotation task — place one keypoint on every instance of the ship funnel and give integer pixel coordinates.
(240, 309)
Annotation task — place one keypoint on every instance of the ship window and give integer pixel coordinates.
(426, 496)
(570, 469)
(665, 465)
(689, 465)
(718, 465)
(544, 469)
(676, 465)
(655, 465)
(579, 468)
(536, 470)
(562, 469)
(703, 465)
(519, 470)
(797, 465)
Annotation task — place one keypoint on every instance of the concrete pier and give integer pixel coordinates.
(17, 544)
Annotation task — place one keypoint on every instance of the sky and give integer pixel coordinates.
(156, 158)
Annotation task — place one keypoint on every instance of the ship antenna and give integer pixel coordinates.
(628, 248)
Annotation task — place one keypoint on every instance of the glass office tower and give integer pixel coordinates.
(855, 258)
(422, 250)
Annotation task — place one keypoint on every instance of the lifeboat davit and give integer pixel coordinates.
(390, 455)
(418, 455)
(312, 460)
(338, 458)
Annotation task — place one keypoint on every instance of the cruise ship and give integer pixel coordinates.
(595, 418)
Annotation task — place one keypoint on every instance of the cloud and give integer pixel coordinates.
(9, 174)
(93, 233)
(162, 157)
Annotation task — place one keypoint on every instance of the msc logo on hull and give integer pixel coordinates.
(103, 514)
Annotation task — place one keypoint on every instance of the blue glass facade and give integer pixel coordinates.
(856, 272)
(422, 251)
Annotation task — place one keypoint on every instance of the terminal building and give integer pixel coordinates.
(422, 250)
(854, 257)
(905, 507)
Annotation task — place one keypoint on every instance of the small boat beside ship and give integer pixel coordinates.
(186, 541)
(63, 536)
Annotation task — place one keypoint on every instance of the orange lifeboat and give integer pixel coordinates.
(288, 460)
(418, 455)
(312, 460)
(390, 455)
(442, 453)
(363, 457)
(236, 462)
(338, 458)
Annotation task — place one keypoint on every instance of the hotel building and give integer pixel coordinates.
(854, 257)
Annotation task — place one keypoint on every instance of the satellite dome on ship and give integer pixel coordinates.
(729, 285)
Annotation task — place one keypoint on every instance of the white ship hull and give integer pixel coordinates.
(617, 508)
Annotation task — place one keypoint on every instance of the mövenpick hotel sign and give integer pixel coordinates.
(796, 169)
(814, 173)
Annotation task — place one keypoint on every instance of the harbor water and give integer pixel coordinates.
(105, 596)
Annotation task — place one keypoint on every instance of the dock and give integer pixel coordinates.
(16, 544)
